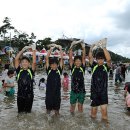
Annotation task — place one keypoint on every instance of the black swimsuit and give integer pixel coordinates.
(25, 90)
(99, 85)
(77, 83)
(53, 89)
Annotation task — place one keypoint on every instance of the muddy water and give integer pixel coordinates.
(119, 118)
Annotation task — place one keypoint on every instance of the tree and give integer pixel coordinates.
(32, 38)
(5, 29)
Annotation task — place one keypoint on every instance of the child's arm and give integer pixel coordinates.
(47, 57)
(17, 62)
(34, 57)
(91, 55)
(83, 53)
(8, 84)
(108, 57)
(61, 59)
(70, 57)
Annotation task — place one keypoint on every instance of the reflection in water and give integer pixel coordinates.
(119, 118)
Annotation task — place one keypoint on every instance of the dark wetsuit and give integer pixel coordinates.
(99, 85)
(77, 83)
(25, 90)
(53, 89)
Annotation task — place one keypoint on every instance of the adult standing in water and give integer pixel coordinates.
(99, 82)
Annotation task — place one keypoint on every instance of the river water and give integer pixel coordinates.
(118, 117)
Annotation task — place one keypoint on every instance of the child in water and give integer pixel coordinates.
(9, 83)
(53, 88)
(25, 80)
(77, 66)
(42, 84)
(99, 81)
(65, 82)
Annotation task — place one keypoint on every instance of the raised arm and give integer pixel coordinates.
(70, 57)
(61, 55)
(83, 53)
(108, 57)
(91, 55)
(47, 56)
(17, 62)
(34, 57)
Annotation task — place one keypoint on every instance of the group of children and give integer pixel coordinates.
(99, 83)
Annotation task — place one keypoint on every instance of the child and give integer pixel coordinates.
(53, 89)
(25, 80)
(9, 83)
(4, 73)
(65, 82)
(42, 84)
(127, 95)
(99, 82)
(77, 80)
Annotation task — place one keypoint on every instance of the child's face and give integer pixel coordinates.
(54, 66)
(77, 62)
(25, 64)
(100, 61)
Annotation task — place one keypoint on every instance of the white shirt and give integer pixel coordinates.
(42, 85)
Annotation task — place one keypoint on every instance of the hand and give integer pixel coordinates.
(102, 45)
(51, 48)
(82, 44)
(25, 48)
(52, 45)
(93, 46)
(73, 43)
(59, 47)
(12, 85)
(104, 42)
(33, 47)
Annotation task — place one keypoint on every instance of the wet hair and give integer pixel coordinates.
(25, 58)
(53, 60)
(10, 72)
(100, 55)
(77, 58)
(65, 74)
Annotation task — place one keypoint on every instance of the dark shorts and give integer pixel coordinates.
(99, 99)
(53, 102)
(24, 104)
